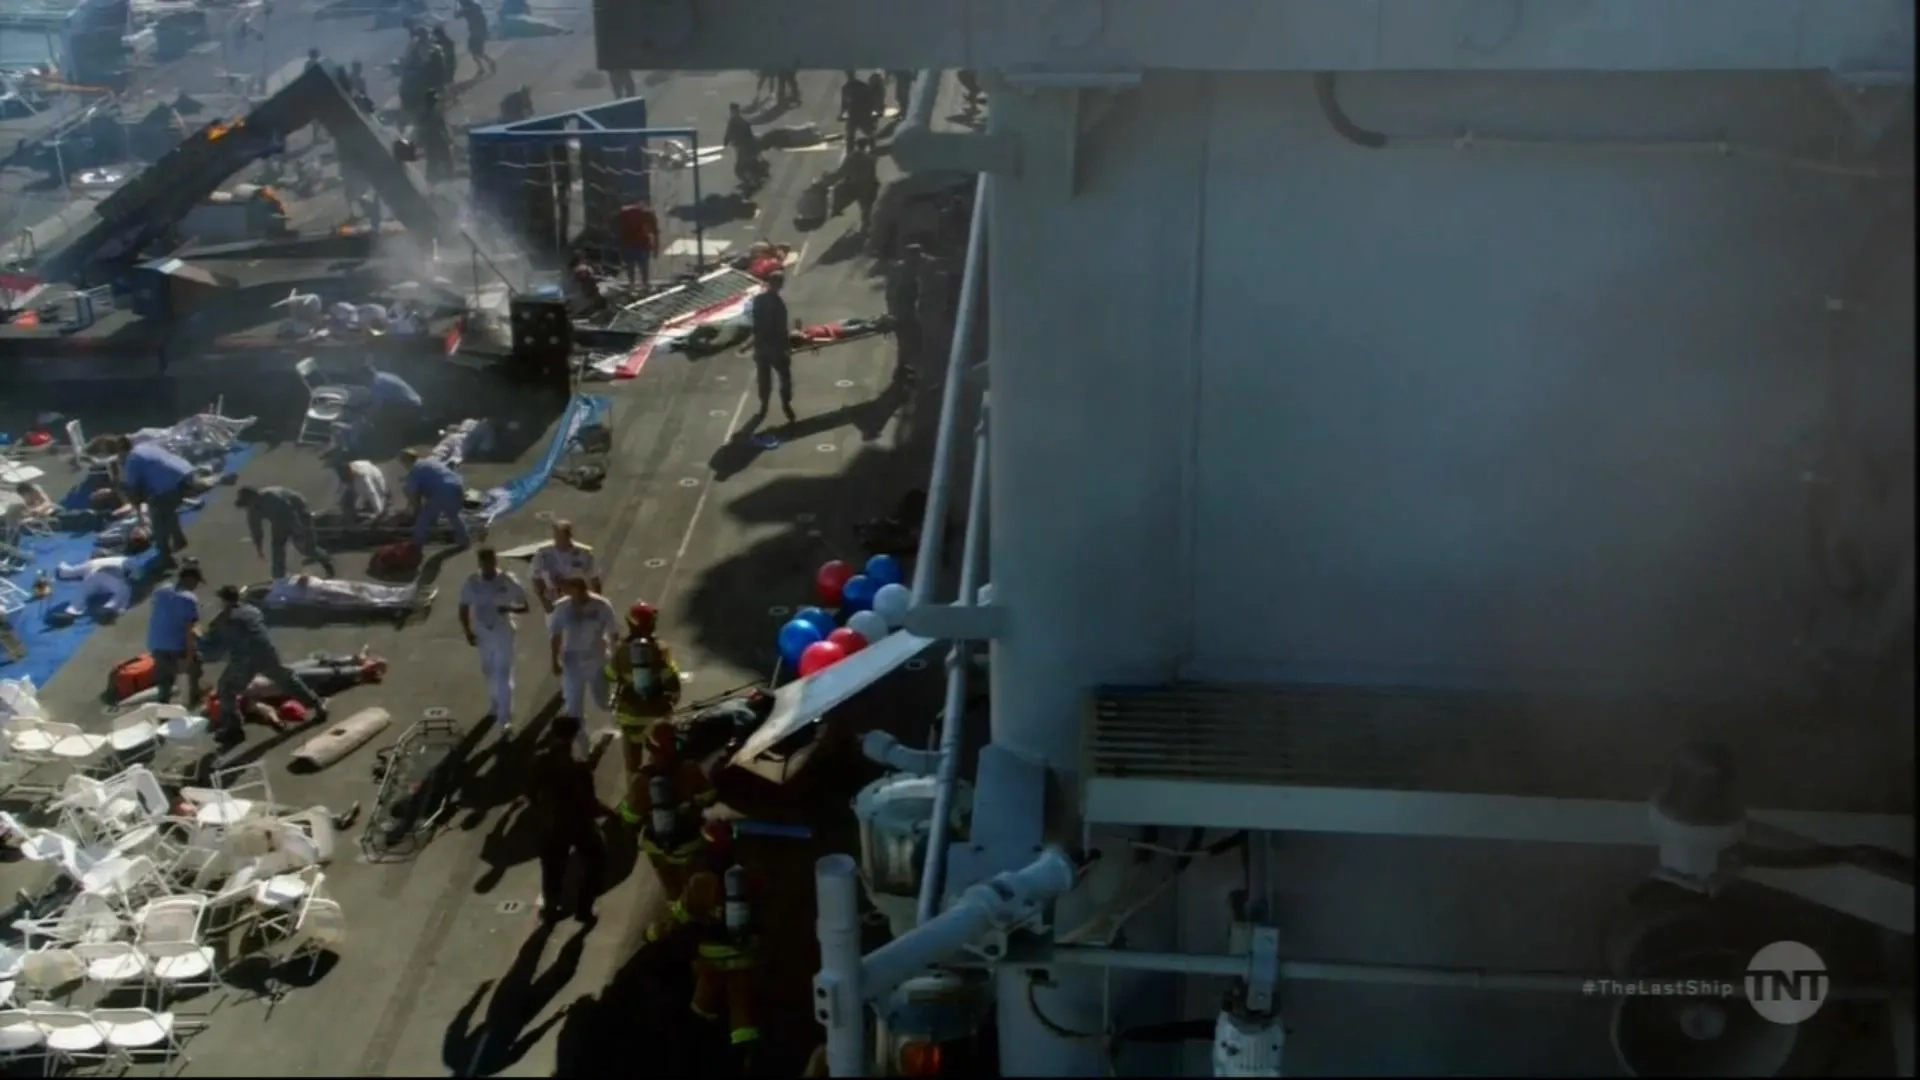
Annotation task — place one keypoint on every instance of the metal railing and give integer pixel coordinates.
(848, 981)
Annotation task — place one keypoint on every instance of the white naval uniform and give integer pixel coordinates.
(369, 488)
(585, 630)
(551, 566)
(489, 605)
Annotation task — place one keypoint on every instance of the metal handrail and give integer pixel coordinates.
(940, 481)
(932, 528)
(933, 875)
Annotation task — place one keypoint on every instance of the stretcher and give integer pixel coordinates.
(336, 531)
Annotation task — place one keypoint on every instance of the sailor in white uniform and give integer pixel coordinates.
(559, 561)
(103, 582)
(581, 631)
(488, 602)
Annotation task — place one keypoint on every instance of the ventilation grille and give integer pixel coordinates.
(1429, 740)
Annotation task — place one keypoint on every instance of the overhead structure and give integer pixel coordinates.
(140, 212)
(1092, 36)
(523, 172)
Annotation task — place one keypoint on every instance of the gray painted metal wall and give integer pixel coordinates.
(1269, 405)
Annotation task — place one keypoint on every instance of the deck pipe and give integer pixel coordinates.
(847, 982)
(882, 748)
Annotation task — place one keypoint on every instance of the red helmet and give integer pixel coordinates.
(718, 835)
(641, 617)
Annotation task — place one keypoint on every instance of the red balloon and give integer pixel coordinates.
(820, 656)
(848, 639)
(828, 582)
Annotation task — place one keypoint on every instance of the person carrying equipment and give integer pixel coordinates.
(671, 836)
(281, 513)
(716, 857)
(646, 689)
(727, 956)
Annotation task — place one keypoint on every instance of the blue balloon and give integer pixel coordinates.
(820, 618)
(857, 593)
(884, 570)
(795, 636)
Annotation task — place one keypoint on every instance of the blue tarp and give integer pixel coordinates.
(584, 411)
(48, 647)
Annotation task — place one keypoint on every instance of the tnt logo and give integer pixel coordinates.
(1787, 982)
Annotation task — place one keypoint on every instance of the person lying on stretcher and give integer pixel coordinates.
(338, 596)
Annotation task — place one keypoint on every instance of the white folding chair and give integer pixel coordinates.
(237, 794)
(77, 448)
(44, 973)
(43, 740)
(185, 742)
(126, 881)
(20, 1038)
(174, 967)
(325, 405)
(283, 899)
(71, 1036)
(322, 929)
(134, 1035)
(139, 728)
(120, 812)
(170, 920)
(111, 965)
(85, 919)
(18, 698)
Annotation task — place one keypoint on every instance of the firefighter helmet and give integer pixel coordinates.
(641, 617)
(718, 835)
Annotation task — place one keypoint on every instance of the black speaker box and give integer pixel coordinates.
(542, 337)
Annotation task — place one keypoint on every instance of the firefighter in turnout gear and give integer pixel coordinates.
(671, 836)
(715, 857)
(720, 915)
(646, 688)
(687, 781)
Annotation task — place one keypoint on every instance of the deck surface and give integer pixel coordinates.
(444, 971)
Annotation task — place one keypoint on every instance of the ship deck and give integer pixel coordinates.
(444, 970)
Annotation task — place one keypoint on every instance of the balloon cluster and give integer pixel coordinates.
(873, 602)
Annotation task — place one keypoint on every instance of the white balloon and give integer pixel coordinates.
(870, 625)
(892, 603)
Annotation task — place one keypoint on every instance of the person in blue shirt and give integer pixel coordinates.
(173, 634)
(392, 402)
(434, 491)
(153, 476)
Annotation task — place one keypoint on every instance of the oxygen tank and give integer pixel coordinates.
(643, 660)
(736, 909)
(663, 816)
